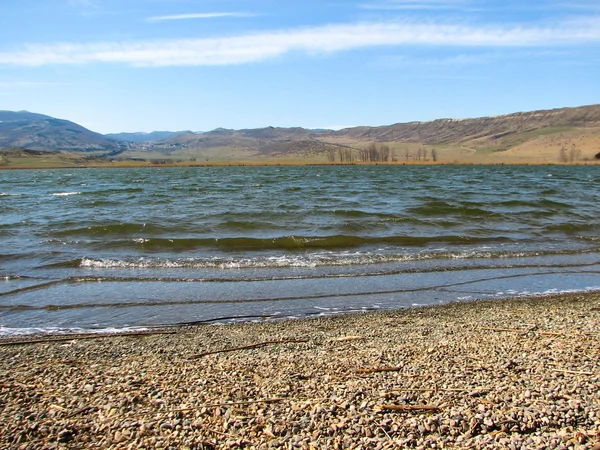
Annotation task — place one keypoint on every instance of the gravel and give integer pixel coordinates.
(510, 374)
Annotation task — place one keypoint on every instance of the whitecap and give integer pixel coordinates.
(10, 331)
(65, 194)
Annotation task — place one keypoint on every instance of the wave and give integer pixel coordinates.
(296, 242)
(28, 331)
(570, 228)
(242, 225)
(308, 260)
(65, 194)
(113, 229)
(441, 208)
(104, 192)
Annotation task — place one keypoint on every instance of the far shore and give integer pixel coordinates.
(136, 165)
(514, 373)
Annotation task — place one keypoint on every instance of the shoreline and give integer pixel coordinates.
(522, 372)
(274, 163)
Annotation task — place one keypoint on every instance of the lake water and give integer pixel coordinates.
(103, 249)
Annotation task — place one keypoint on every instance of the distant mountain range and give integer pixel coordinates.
(140, 137)
(39, 132)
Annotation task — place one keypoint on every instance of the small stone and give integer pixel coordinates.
(65, 436)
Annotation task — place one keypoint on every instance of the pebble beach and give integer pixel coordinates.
(516, 373)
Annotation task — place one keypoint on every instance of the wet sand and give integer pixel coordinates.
(517, 373)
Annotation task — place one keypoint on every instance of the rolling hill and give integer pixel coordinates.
(547, 136)
(23, 129)
(537, 136)
(443, 131)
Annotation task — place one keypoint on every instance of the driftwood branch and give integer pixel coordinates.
(430, 390)
(347, 338)
(408, 408)
(79, 411)
(217, 405)
(247, 347)
(75, 337)
(509, 330)
(573, 372)
(379, 369)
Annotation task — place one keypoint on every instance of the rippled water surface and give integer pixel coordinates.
(110, 248)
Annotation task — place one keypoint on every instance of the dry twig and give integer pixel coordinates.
(217, 405)
(379, 369)
(75, 337)
(247, 347)
(573, 372)
(79, 411)
(408, 408)
(347, 338)
(509, 330)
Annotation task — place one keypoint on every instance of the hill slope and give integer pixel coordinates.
(534, 136)
(444, 131)
(565, 134)
(33, 131)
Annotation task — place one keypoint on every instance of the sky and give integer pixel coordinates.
(144, 65)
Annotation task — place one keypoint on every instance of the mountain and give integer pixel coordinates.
(23, 129)
(537, 136)
(140, 137)
(564, 134)
(258, 142)
(443, 131)
(16, 116)
(222, 137)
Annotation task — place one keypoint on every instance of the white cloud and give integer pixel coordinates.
(469, 59)
(214, 15)
(482, 5)
(314, 40)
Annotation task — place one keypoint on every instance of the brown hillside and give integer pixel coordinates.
(443, 131)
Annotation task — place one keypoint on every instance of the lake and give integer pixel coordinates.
(106, 249)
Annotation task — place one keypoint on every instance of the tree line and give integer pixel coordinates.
(379, 153)
(569, 155)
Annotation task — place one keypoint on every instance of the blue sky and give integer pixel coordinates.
(143, 65)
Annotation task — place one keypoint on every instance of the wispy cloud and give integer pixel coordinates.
(455, 60)
(415, 4)
(213, 15)
(470, 59)
(312, 41)
(481, 5)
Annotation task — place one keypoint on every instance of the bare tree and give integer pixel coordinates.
(331, 155)
(562, 154)
(385, 152)
(574, 153)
